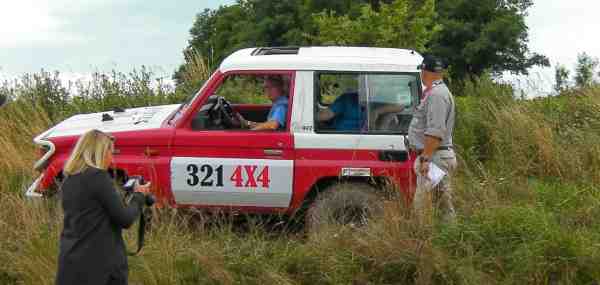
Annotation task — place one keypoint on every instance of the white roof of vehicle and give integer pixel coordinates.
(327, 59)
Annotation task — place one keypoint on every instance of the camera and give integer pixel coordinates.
(132, 183)
(145, 216)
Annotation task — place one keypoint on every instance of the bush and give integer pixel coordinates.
(550, 137)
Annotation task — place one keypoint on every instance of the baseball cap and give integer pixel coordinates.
(432, 63)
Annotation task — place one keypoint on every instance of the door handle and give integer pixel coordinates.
(151, 152)
(393, 155)
(273, 152)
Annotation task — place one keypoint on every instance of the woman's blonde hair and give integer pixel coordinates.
(90, 151)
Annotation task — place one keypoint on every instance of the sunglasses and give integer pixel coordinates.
(98, 134)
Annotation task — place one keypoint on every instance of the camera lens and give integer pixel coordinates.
(150, 200)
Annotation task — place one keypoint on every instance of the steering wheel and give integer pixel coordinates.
(224, 112)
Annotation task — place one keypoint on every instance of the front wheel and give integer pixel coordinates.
(344, 204)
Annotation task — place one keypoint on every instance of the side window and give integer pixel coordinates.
(341, 104)
(243, 89)
(243, 101)
(365, 102)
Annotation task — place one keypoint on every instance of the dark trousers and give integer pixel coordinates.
(116, 281)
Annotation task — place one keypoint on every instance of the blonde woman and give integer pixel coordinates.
(92, 250)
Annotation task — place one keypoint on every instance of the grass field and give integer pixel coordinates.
(527, 195)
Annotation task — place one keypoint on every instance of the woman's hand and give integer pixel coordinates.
(144, 189)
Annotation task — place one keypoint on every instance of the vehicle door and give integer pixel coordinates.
(229, 166)
(357, 126)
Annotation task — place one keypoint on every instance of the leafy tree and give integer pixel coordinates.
(475, 37)
(405, 24)
(248, 23)
(351, 8)
(584, 70)
(561, 75)
(218, 33)
(484, 36)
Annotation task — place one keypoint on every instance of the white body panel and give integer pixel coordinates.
(349, 141)
(327, 58)
(130, 120)
(187, 182)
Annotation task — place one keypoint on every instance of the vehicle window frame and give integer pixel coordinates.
(223, 78)
(317, 100)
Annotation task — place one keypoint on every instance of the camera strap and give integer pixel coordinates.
(144, 221)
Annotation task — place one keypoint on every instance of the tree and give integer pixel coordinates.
(400, 24)
(248, 23)
(484, 36)
(475, 37)
(584, 70)
(561, 75)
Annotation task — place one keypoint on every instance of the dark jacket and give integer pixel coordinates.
(92, 250)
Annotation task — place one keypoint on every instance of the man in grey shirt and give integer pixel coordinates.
(430, 136)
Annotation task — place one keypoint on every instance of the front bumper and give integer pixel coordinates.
(32, 190)
(41, 141)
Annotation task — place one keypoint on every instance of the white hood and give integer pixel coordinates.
(131, 120)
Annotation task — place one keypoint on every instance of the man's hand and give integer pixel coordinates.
(245, 124)
(374, 114)
(325, 115)
(424, 167)
(266, 126)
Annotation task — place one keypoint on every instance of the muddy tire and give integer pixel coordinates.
(351, 204)
(54, 192)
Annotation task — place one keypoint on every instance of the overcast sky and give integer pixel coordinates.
(78, 37)
(82, 36)
(560, 29)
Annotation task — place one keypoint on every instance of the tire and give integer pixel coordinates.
(54, 192)
(352, 204)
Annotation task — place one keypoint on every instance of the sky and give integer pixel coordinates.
(560, 29)
(79, 37)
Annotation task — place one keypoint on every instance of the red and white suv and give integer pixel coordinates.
(346, 122)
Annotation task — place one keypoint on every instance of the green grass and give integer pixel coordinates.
(527, 195)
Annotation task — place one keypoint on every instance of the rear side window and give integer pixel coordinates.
(365, 103)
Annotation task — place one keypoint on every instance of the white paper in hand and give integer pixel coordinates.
(435, 174)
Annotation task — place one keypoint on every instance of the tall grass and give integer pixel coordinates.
(546, 137)
(526, 193)
(195, 71)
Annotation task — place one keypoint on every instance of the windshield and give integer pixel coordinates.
(191, 98)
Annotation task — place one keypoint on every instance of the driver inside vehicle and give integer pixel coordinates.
(274, 87)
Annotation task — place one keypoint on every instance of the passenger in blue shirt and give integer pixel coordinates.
(344, 113)
(274, 89)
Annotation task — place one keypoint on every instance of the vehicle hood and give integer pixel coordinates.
(131, 120)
